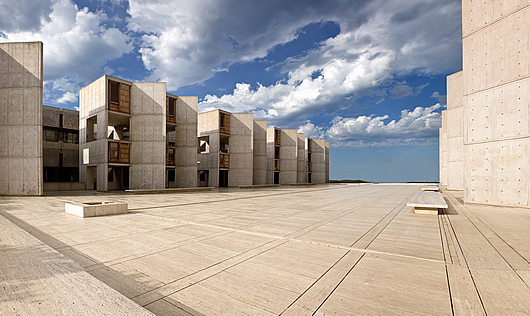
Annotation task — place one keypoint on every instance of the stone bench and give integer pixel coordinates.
(433, 188)
(427, 202)
(91, 209)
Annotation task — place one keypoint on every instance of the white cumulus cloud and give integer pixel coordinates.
(417, 127)
(77, 45)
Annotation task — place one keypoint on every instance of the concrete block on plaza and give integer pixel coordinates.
(92, 209)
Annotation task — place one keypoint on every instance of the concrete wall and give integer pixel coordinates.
(318, 158)
(148, 135)
(21, 118)
(51, 117)
(327, 162)
(455, 132)
(288, 156)
(270, 155)
(495, 106)
(92, 103)
(241, 149)
(208, 125)
(301, 174)
(259, 172)
(186, 142)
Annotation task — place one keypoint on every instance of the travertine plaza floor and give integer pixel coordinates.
(315, 250)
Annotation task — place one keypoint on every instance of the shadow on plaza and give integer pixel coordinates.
(22, 266)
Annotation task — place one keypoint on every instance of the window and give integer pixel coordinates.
(60, 137)
(114, 92)
(114, 155)
(222, 120)
(276, 152)
(171, 175)
(171, 107)
(60, 120)
(49, 135)
(171, 154)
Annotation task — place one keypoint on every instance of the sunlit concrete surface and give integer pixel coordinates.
(316, 250)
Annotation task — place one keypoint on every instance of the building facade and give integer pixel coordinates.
(60, 148)
(123, 136)
(21, 163)
(485, 134)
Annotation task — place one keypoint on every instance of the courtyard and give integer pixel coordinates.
(289, 250)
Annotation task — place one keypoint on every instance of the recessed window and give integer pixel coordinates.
(50, 135)
(60, 120)
(171, 106)
(114, 92)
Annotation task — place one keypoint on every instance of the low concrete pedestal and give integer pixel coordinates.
(91, 209)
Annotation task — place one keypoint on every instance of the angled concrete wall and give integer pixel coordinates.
(92, 104)
(455, 132)
(301, 157)
(327, 162)
(241, 149)
(186, 141)
(318, 161)
(495, 107)
(288, 156)
(21, 118)
(270, 155)
(148, 135)
(259, 172)
(208, 125)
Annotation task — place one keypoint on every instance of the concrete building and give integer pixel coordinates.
(226, 153)
(260, 152)
(21, 118)
(485, 134)
(60, 149)
(123, 143)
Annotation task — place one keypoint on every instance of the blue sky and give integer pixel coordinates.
(367, 75)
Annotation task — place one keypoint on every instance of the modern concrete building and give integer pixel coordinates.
(260, 152)
(123, 143)
(485, 134)
(21, 118)
(60, 149)
(226, 153)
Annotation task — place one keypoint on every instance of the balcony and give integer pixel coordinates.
(119, 152)
(224, 160)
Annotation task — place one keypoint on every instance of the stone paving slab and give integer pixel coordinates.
(319, 250)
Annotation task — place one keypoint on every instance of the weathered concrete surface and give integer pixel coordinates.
(319, 250)
(21, 118)
(35, 279)
(485, 132)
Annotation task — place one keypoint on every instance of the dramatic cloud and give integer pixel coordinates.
(24, 15)
(387, 39)
(76, 46)
(187, 42)
(417, 127)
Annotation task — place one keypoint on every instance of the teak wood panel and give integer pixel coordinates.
(224, 160)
